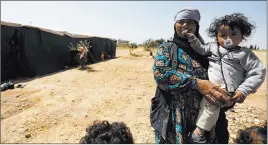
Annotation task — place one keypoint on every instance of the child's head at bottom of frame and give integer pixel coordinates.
(252, 135)
(102, 132)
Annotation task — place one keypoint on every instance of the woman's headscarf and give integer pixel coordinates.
(192, 14)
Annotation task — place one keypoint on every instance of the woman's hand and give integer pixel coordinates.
(213, 93)
(228, 104)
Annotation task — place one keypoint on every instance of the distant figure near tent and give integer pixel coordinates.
(83, 56)
(102, 55)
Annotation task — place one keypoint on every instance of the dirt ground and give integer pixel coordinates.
(57, 108)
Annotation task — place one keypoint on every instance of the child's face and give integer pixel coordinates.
(226, 32)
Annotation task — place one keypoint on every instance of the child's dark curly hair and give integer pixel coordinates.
(232, 20)
(102, 132)
(252, 135)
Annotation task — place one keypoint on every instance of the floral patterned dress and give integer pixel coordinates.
(184, 106)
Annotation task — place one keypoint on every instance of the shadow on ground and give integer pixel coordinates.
(27, 79)
(88, 69)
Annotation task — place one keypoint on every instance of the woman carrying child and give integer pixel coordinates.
(182, 82)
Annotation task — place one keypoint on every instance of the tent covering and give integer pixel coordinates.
(28, 51)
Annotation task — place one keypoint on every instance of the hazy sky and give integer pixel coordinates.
(136, 21)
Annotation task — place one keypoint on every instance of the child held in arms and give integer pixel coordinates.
(236, 69)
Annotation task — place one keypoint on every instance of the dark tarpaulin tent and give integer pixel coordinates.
(102, 45)
(7, 34)
(31, 51)
(98, 45)
(44, 50)
(36, 51)
(111, 48)
(108, 47)
(9, 51)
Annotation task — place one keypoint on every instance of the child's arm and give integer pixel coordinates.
(203, 49)
(255, 74)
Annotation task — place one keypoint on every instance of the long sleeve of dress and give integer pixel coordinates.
(165, 77)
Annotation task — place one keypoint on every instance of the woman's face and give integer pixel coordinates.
(186, 24)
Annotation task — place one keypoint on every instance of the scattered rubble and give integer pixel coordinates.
(244, 116)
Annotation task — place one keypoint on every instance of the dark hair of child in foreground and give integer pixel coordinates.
(252, 135)
(102, 132)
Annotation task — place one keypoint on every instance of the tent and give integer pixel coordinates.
(45, 52)
(100, 45)
(31, 51)
(74, 39)
(9, 51)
